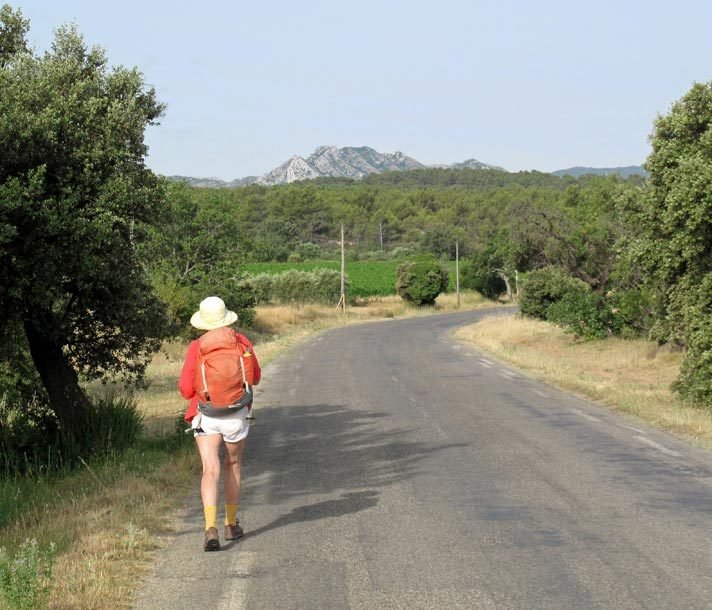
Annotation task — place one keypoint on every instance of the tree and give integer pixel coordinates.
(671, 225)
(439, 241)
(74, 197)
(484, 272)
(274, 240)
(548, 235)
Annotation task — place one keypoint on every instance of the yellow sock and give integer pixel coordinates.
(211, 516)
(230, 514)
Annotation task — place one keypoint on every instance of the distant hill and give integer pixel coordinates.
(213, 182)
(201, 182)
(331, 162)
(469, 164)
(623, 172)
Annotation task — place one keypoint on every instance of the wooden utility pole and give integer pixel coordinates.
(342, 298)
(457, 272)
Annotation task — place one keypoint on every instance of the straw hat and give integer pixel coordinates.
(212, 314)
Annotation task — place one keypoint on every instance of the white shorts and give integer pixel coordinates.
(233, 427)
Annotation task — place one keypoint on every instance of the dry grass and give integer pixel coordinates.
(278, 319)
(160, 403)
(631, 376)
(115, 532)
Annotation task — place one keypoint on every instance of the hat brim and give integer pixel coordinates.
(197, 321)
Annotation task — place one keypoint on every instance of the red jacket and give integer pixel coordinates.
(187, 375)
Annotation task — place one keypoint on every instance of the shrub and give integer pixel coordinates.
(420, 281)
(401, 252)
(327, 285)
(375, 255)
(543, 287)
(352, 255)
(583, 313)
(634, 311)
(320, 285)
(25, 578)
(262, 287)
(293, 287)
(308, 251)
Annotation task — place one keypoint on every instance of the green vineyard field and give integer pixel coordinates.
(366, 278)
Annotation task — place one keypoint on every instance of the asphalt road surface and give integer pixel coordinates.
(391, 467)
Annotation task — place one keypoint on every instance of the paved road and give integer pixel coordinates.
(391, 467)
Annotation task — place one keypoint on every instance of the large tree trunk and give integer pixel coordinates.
(66, 398)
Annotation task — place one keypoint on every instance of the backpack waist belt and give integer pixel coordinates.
(207, 408)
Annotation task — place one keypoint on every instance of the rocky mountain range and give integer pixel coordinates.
(330, 161)
(357, 162)
(348, 162)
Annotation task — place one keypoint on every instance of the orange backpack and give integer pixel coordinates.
(224, 372)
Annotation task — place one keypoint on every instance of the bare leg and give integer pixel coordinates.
(233, 461)
(209, 448)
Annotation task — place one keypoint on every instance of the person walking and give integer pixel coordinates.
(207, 384)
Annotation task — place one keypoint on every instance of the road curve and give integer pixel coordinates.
(391, 467)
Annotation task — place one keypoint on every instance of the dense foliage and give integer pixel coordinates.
(546, 287)
(671, 235)
(195, 252)
(75, 197)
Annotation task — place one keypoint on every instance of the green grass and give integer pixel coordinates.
(367, 278)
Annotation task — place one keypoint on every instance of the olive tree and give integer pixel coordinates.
(75, 196)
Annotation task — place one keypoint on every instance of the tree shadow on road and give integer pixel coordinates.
(295, 452)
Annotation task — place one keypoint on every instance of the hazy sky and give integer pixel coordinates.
(524, 85)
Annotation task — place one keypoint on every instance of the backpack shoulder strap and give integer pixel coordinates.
(240, 352)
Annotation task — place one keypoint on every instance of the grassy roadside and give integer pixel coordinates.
(631, 376)
(109, 520)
